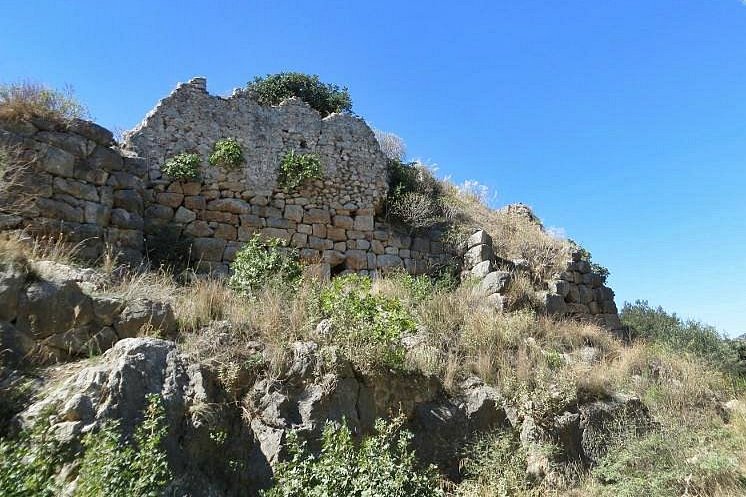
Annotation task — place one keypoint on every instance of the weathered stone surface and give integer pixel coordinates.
(57, 161)
(356, 260)
(126, 219)
(12, 279)
(172, 200)
(555, 304)
(480, 237)
(495, 282)
(105, 159)
(184, 215)
(482, 269)
(477, 254)
(129, 200)
(389, 261)
(145, 315)
(92, 131)
(208, 249)
(232, 205)
(48, 308)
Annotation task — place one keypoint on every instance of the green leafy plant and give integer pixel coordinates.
(325, 98)
(674, 461)
(382, 465)
(296, 169)
(30, 461)
(263, 261)
(370, 326)
(183, 167)
(27, 100)
(227, 154)
(119, 469)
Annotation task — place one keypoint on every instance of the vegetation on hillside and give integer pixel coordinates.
(689, 378)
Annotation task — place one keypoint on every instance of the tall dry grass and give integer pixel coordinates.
(27, 100)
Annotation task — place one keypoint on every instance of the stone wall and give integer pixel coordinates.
(331, 220)
(70, 179)
(576, 292)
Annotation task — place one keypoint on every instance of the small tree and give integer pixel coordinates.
(325, 98)
(296, 169)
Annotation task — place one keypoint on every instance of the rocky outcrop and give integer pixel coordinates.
(50, 312)
(217, 446)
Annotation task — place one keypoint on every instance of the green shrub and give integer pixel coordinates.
(369, 326)
(227, 154)
(116, 469)
(261, 262)
(383, 465)
(30, 461)
(658, 326)
(296, 169)
(325, 98)
(495, 465)
(27, 100)
(183, 167)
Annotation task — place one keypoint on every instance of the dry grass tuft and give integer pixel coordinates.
(27, 100)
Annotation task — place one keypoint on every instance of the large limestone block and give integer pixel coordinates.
(495, 282)
(480, 237)
(47, 308)
(141, 314)
(477, 254)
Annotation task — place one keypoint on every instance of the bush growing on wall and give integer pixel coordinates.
(296, 169)
(416, 198)
(227, 154)
(262, 261)
(383, 464)
(325, 98)
(182, 167)
(27, 100)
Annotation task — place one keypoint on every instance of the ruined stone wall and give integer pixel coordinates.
(69, 179)
(331, 220)
(576, 292)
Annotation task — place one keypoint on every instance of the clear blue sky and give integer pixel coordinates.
(624, 123)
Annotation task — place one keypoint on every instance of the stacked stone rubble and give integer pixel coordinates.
(72, 181)
(481, 262)
(579, 292)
